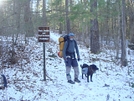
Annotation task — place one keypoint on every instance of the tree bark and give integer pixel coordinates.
(44, 14)
(94, 39)
(67, 18)
(123, 36)
(18, 12)
(28, 19)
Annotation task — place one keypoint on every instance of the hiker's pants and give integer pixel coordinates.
(71, 63)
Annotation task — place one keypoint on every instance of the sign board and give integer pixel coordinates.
(43, 34)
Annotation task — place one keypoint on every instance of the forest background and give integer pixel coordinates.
(97, 23)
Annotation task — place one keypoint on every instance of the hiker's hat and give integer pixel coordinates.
(71, 34)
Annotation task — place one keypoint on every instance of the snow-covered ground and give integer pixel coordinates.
(25, 80)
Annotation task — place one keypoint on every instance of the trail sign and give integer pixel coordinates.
(43, 34)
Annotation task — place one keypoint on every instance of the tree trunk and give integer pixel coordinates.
(131, 23)
(118, 28)
(94, 39)
(123, 36)
(67, 18)
(18, 12)
(37, 9)
(44, 22)
(107, 22)
(28, 19)
(117, 39)
(60, 24)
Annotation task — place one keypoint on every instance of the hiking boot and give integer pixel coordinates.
(77, 80)
(71, 82)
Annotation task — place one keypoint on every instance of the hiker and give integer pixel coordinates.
(69, 49)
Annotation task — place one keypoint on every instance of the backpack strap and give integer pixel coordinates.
(74, 42)
(60, 42)
(68, 43)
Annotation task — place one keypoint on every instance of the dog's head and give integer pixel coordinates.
(94, 68)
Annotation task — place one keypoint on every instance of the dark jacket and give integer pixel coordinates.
(70, 47)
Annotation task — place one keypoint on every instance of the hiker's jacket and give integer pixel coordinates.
(70, 47)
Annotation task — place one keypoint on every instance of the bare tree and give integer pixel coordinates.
(94, 39)
(28, 19)
(44, 22)
(67, 18)
(130, 20)
(123, 36)
(17, 10)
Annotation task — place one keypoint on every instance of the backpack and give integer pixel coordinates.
(62, 40)
(3, 82)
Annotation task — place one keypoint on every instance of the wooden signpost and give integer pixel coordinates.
(44, 36)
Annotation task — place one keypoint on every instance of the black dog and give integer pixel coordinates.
(88, 70)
